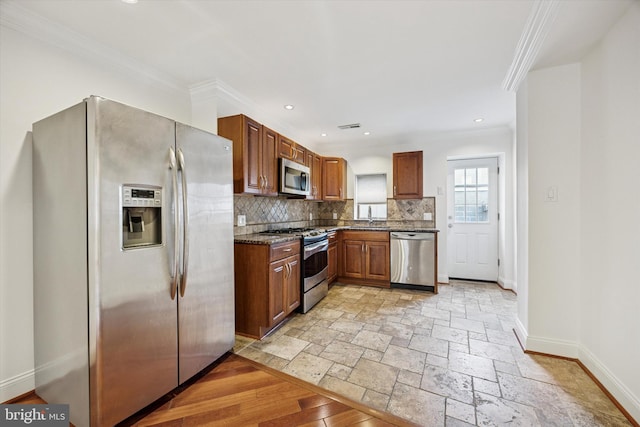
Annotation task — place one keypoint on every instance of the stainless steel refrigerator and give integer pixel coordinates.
(133, 257)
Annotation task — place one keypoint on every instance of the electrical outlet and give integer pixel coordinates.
(242, 220)
(335, 215)
(427, 216)
(310, 216)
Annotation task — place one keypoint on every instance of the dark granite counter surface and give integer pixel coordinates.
(264, 239)
(408, 228)
(270, 239)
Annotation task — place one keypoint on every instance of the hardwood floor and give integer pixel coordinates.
(240, 392)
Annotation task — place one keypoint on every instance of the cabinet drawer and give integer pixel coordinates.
(381, 236)
(283, 250)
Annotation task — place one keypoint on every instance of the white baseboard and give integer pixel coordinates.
(573, 350)
(553, 346)
(617, 388)
(521, 333)
(17, 385)
(508, 284)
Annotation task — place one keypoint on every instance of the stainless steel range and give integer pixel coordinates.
(313, 281)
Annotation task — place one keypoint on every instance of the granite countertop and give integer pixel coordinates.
(386, 228)
(264, 239)
(270, 239)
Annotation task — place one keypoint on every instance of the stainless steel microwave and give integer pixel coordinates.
(294, 178)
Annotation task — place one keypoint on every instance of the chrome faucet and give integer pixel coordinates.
(369, 216)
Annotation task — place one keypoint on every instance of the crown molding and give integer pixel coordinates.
(217, 89)
(539, 23)
(19, 18)
(226, 96)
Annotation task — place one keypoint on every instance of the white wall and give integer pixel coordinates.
(610, 205)
(522, 210)
(37, 80)
(376, 157)
(582, 134)
(554, 161)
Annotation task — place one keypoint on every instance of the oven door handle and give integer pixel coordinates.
(315, 248)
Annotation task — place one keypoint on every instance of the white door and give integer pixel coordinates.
(472, 219)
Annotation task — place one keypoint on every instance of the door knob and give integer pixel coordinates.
(450, 225)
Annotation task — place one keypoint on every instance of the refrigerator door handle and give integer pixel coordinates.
(176, 254)
(185, 225)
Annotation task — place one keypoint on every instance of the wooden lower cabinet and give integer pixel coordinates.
(365, 258)
(284, 288)
(267, 285)
(332, 257)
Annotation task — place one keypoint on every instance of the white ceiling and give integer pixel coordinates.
(397, 67)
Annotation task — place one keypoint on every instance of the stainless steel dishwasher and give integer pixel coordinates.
(413, 260)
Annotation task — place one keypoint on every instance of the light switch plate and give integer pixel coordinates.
(551, 195)
(242, 220)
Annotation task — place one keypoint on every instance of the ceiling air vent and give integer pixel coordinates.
(351, 126)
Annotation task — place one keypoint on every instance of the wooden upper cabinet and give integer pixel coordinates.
(407, 175)
(255, 164)
(289, 149)
(314, 162)
(334, 178)
(269, 161)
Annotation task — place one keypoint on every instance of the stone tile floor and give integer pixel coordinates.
(448, 359)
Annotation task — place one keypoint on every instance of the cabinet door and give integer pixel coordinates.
(269, 162)
(377, 260)
(334, 178)
(316, 176)
(252, 152)
(288, 149)
(407, 175)
(299, 153)
(332, 262)
(353, 259)
(277, 277)
(314, 162)
(285, 147)
(292, 293)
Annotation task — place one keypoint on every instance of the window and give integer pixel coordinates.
(471, 197)
(371, 196)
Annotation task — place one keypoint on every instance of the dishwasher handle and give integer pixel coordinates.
(412, 236)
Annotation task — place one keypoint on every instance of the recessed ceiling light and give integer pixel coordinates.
(130, 1)
(367, 133)
(288, 107)
(478, 120)
(323, 134)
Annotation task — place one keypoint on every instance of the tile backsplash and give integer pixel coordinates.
(263, 213)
